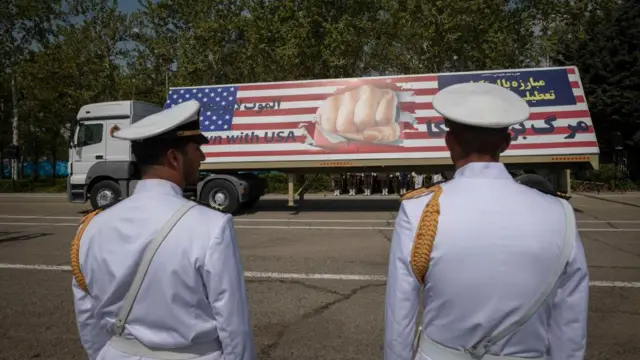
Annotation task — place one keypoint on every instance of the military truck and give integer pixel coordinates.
(369, 124)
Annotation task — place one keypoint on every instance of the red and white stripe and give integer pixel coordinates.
(301, 99)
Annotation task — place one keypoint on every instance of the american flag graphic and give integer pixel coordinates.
(278, 121)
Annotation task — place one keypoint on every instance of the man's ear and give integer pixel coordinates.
(448, 140)
(174, 159)
(506, 142)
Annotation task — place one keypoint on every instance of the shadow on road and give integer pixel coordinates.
(314, 205)
(321, 205)
(329, 204)
(10, 236)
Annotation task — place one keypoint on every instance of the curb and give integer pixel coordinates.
(609, 200)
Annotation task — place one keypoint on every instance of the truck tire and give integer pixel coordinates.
(104, 193)
(220, 195)
(537, 182)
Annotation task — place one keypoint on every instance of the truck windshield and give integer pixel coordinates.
(88, 134)
(79, 138)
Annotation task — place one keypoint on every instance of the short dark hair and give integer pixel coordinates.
(477, 140)
(150, 152)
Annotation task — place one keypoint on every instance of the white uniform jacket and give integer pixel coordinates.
(494, 249)
(194, 289)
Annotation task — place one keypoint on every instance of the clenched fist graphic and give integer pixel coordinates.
(364, 113)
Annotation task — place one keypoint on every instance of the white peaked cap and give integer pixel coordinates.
(482, 105)
(164, 122)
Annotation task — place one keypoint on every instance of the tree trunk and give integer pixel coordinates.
(54, 154)
(15, 173)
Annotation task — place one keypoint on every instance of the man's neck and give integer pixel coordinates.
(476, 159)
(152, 175)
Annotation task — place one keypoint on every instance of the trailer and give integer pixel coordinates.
(368, 124)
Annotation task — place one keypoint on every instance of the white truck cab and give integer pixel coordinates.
(100, 166)
(103, 170)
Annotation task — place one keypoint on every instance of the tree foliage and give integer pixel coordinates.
(67, 54)
(608, 56)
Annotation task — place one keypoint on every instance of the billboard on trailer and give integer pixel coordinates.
(372, 118)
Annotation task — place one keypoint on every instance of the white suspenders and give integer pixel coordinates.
(149, 253)
(480, 349)
(133, 347)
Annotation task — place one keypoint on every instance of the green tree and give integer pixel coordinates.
(251, 41)
(609, 63)
(24, 26)
(456, 35)
(295, 40)
(80, 64)
(183, 42)
(101, 54)
(562, 22)
(103, 35)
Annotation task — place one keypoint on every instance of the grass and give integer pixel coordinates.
(46, 185)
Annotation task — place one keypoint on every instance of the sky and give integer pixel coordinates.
(128, 6)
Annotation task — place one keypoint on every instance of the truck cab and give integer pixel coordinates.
(102, 168)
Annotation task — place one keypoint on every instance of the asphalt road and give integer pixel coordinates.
(315, 276)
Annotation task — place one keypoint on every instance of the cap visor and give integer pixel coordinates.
(200, 139)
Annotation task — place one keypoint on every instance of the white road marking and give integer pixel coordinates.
(303, 276)
(615, 284)
(283, 227)
(610, 221)
(243, 219)
(36, 267)
(384, 228)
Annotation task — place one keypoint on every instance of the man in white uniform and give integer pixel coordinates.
(191, 302)
(417, 180)
(437, 177)
(500, 265)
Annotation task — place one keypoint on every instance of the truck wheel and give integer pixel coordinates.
(537, 182)
(221, 196)
(103, 193)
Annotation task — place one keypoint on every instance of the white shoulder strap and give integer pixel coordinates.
(483, 346)
(149, 253)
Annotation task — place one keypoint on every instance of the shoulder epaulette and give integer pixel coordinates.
(75, 245)
(415, 194)
(425, 234)
(556, 194)
(419, 192)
